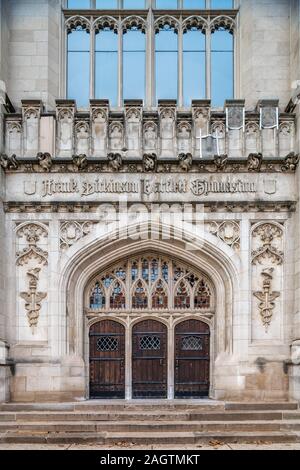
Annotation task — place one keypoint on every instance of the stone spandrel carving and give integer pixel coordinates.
(82, 138)
(133, 130)
(266, 298)
(33, 298)
(268, 243)
(228, 231)
(116, 136)
(184, 137)
(72, 231)
(31, 235)
(150, 136)
(13, 138)
(65, 123)
(99, 123)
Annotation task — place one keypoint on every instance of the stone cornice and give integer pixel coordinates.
(209, 206)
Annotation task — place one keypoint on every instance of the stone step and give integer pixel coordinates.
(230, 406)
(166, 438)
(150, 426)
(158, 416)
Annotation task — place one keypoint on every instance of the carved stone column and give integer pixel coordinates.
(31, 113)
(167, 122)
(65, 115)
(99, 110)
(269, 121)
(133, 120)
(235, 127)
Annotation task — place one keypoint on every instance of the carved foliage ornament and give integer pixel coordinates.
(266, 298)
(268, 233)
(32, 234)
(77, 22)
(33, 298)
(72, 231)
(227, 231)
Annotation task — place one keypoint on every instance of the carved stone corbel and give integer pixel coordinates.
(185, 161)
(291, 162)
(115, 161)
(254, 161)
(149, 162)
(8, 163)
(33, 298)
(220, 162)
(80, 161)
(45, 161)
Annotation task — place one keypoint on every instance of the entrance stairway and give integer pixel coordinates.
(144, 422)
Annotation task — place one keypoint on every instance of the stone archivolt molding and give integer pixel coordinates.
(32, 234)
(222, 22)
(266, 298)
(194, 22)
(166, 20)
(33, 298)
(71, 231)
(105, 22)
(228, 231)
(268, 233)
(136, 22)
(77, 21)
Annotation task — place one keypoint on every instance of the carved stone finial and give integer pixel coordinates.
(45, 161)
(80, 161)
(185, 161)
(254, 161)
(115, 161)
(149, 162)
(290, 162)
(8, 163)
(266, 298)
(33, 298)
(220, 161)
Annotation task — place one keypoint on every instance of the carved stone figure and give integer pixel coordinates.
(255, 161)
(115, 161)
(150, 133)
(220, 162)
(116, 136)
(290, 162)
(149, 162)
(33, 298)
(184, 136)
(185, 161)
(45, 161)
(266, 298)
(133, 131)
(8, 163)
(82, 137)
(80, 161)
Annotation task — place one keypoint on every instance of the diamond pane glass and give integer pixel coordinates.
(107, 343)
(149, 342)
(191, 343)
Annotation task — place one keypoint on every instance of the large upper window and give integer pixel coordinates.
(140, 54)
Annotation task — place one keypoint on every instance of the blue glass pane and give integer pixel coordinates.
(164, 4)
(79, 40)
(78, 74)
(106, 4)
(78, 4)
(221, 41)
(139, 4)
(217, 4)
(134, 75)
(194, 41)
(106, 76)
(194, 4)
(134, 41)
(106, 41)
(193, 76)
(166, 75)
(166, 40)
(222, 77)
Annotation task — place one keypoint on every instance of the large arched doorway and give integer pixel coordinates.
(107, 360)
(149, 360)
(192, 358)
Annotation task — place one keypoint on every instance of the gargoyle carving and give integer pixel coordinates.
(8, 163)
(149, 162)
(185, 161)
(290, 162)
(220, 162)
(45, 161)
(115, 161)
(254, 161)
(80, 161)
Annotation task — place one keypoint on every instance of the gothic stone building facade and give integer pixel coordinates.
(149, 217)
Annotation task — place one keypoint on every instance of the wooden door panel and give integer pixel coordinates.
(107, 360)
(149, 360)
(192, 346)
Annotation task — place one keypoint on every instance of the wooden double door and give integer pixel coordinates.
(149, 367)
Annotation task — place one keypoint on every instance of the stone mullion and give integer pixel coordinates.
(180, 63)
(208, 61)
(120, 63)
(150, 61)
(92, 61)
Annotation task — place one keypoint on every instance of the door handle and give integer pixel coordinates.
(161, 362)
(177, 363)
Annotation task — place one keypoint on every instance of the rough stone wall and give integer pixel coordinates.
(34, 50)
(264, 52)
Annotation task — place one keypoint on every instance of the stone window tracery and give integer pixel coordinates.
(150, 283)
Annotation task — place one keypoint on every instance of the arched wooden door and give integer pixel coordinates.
(192, 356)
(107, 360)
(149, 360)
